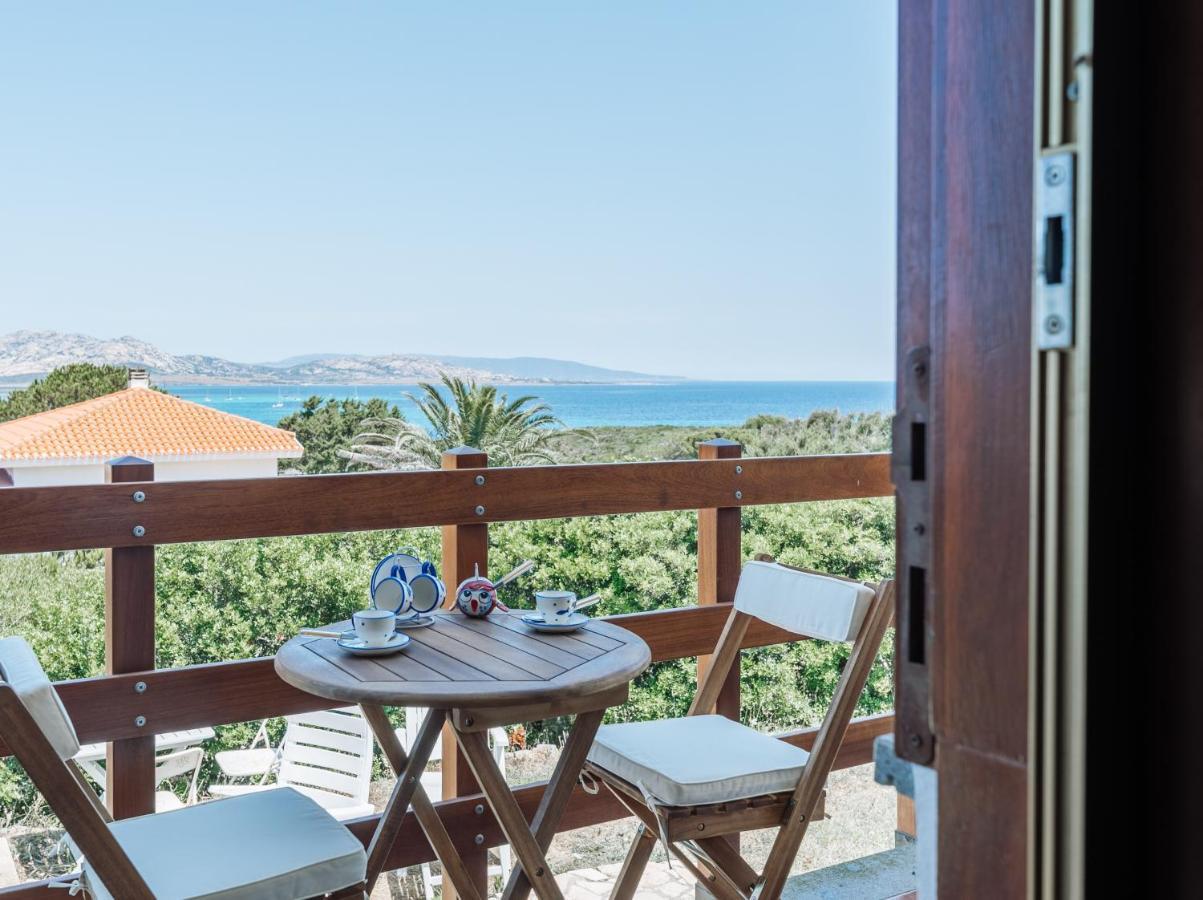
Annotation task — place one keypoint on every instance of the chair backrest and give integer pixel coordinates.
(803, 602)
(38, 730)
(414, 717)
(328, 755)
(806, 603)
(20, 670)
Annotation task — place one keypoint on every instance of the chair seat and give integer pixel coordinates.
(245, 763)
(274, 845)
(698, 760)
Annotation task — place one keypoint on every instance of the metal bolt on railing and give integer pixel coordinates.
(139, 530)
(480, 510)
(139, 687)
(140, 721)
(479, 809)
(739, 495)
(480, 479)
(139, 496)
(479, 839)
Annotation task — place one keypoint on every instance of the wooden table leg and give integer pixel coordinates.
(408, 792)
(557, 793)
(509, 815)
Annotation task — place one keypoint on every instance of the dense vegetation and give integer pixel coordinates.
(63, 386)
(244, 598)
(325, 426)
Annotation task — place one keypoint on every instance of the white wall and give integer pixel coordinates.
(46, 476)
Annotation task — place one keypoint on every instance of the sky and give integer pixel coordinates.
(671, 186)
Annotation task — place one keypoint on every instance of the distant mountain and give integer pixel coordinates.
(25, 355)
(521, 368)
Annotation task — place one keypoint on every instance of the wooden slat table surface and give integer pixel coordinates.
(458, 661)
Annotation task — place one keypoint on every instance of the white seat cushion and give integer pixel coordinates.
(274, 845)
(698, 759)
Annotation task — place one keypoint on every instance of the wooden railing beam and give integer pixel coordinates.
(100, 515)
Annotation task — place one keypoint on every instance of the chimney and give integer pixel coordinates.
(138, 378)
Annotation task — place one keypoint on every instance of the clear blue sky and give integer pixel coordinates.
(694, 188)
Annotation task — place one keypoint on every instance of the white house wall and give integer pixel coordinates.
(51, 476)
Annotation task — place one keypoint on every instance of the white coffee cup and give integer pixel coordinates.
(374, 626)
(553, 604)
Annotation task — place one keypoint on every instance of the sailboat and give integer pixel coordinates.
(279, 404)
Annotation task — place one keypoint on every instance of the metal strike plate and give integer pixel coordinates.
(1054, 310)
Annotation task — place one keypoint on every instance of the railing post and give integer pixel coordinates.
(465, 547)
(129, 645)
(720, 554)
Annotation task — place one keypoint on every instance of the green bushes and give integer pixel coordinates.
(237, 599)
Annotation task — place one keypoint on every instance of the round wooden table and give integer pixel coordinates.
(477, 674)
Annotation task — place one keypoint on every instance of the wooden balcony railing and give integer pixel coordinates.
(131, 514)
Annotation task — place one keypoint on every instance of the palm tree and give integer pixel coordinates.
(512, 432)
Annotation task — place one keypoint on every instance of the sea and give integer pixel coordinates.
(700, 403)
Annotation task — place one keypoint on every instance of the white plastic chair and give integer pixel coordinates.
(432, 782)
(174, 765)
(325, 755)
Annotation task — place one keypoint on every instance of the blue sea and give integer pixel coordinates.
(704, 403)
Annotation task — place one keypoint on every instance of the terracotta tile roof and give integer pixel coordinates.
(139, 422)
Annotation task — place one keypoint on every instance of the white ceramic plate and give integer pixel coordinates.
(570, 622)
(356, 646)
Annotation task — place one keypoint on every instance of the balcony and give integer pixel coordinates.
(131, 515)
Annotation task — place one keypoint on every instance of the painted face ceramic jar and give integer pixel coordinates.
(476, 597)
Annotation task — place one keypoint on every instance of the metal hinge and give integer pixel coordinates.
(1054, 312)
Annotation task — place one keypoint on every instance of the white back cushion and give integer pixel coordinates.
(20, 669)
(813, 605)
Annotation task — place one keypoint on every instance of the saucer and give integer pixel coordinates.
(415, 620)
(562, 624)
(356, 646)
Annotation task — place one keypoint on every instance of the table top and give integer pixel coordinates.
(459, 661)
(168, 740)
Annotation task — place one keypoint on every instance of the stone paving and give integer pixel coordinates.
(659, 882)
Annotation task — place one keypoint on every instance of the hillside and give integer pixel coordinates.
(25, 355)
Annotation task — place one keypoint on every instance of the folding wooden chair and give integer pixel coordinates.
(277, 845)
(691, 781)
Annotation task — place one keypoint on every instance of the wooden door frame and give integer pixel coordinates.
(966, 158)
